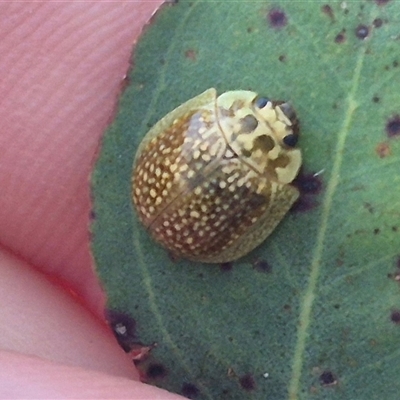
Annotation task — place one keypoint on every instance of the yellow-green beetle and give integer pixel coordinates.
(211, 180)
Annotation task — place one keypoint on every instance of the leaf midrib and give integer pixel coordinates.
(315, 268)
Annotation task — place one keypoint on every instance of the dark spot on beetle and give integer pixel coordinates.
(248, 124)
(156, 371)
(395, 317)
(282, 58)
(246, 153)
(250, 29)
(308, 183)
(262, 266)
(327, 9)
(264, 143)
(190, 390)
(247, 382)
(191, 54)
(123, 327)
(382, 150)
(92, 215)
(398, 262)
(362, 32)
(395, 64)
(289, 111)
(377, 231)
(277, 18)
(226, 266)
(336, 306)
(377, 22)
(290, 140)
(393, 126)
(340, 37)
(395, 228)
(376, 99)
(381, 2)
(287, 307)
(328, 378)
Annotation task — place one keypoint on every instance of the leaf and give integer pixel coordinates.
(314, 312)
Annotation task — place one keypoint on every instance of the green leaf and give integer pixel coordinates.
(316, 307)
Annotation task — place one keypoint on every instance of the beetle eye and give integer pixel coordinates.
(290, 140)
(261, 102)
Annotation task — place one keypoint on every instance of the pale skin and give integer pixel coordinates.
(62, 68)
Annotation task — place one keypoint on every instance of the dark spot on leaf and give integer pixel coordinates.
(282, 58)
(277, 18)
(156, 371)
(340, 37)
(381, 2)
(327, 378)
(376, 99)
(395, 64)
(382, 150)
(376, 231)
(337, 306)
(377, 22)
(227, 266)
(362, 32)
(303, 204)
(308, 183)
(395, 317)
(327, 9)
(190, 391)
(250, 29)
(92, 215)
(398, 263)
(393, 126)
(262, 266)
(394, 228)
(173, 257)
(287, 307)
(368, 207)
(191, 54)
(123, 327)
(247, 382)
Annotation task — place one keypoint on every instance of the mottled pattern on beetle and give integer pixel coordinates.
(220, 208)
(176, 160)
(255, 140)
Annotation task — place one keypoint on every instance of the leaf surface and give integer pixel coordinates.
(314, 312)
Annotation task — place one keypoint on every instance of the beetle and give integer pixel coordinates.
(212, 179)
